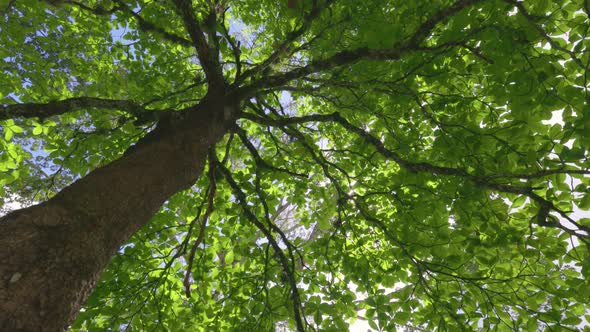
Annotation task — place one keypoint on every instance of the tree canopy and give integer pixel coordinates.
(416, 164)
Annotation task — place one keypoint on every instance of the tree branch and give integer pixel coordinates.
(212, 190)
(45, 110)
(482, 181)
(426, 27)
(237, 52)
(363, 53)
(206, 50)
(474, 50)
(283, 48)
(144, 25)
(241, 199)
(544, 34)
(258, 159)
(8, 7)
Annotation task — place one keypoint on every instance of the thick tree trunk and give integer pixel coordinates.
(52, 254)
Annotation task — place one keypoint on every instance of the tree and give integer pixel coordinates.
(253, 164)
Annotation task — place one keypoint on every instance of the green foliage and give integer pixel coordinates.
(453, 195)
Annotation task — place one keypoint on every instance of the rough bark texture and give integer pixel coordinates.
(52, 254)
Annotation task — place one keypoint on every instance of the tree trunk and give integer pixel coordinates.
(52, 254)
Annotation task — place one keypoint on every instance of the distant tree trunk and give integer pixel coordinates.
(52, 254)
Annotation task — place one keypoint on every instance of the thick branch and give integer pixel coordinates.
(482, 181)
(206, 50)
(241, 198)
(338, 59)
(283, 48)
(45, 110)
(379, 146)
(144, 25)
(237, 52)
(363, 53)
(336, 117)
(426, 27)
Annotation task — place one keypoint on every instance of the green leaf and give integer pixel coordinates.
(584, 203)
(229, 257)
(8, 133)
(532, 325)
(16, 129)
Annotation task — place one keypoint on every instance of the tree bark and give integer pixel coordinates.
(52, 254)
